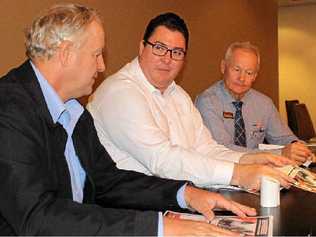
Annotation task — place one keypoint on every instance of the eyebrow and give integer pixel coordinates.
(245, 69)
(177, 48)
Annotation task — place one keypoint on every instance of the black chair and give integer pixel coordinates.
(291, 118)
(305, 128)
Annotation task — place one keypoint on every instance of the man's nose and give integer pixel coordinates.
(242, 75)
(101, 65)
(168, 56)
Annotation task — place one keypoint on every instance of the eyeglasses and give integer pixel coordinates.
(159, 49)
(239, 71)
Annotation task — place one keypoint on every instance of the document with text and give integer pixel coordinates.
(249, 226)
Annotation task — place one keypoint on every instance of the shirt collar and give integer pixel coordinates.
(56, 106)
(229, 97)
(147, 84)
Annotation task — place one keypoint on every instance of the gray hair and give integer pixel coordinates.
(59, 23)
(242, 45)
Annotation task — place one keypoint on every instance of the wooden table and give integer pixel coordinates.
(296, 215)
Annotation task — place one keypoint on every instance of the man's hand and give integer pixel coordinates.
(265, 158)
(249, 176)
(178, 227)
(298, 152)
(203, 202)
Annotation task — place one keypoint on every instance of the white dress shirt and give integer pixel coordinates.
(157, 134)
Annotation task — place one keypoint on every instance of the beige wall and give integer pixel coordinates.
(297, 56)
(213, 25)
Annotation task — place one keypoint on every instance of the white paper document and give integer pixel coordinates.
(249, 226)
(269, 146)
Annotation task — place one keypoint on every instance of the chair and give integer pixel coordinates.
(305, 128)
(291, 118)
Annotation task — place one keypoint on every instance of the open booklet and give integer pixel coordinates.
(304, 178)
(249, 226)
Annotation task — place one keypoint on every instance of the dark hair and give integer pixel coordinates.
(170, 20)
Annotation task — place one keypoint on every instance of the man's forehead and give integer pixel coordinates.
(245, 52)
(168, 36)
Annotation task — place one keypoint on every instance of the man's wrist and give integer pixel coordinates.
(236, 175)
(181, 196)
(187, 195)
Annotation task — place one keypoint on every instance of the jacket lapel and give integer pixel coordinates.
(56, 136)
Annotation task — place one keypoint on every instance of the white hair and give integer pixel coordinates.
(60, 22)
(242, 45)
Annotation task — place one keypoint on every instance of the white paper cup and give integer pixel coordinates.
(269, 192)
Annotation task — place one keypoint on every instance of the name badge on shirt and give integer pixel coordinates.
(258, 131)
(258, 127)
(228, 115)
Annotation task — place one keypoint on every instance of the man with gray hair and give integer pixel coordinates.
(56, 177)
(240, 117)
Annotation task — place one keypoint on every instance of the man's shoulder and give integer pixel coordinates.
(211, 94)
(13, 86)
(120, 87)
(20, 94)
(182, 91)
(124, 78)
(213, 90)
(259, 97)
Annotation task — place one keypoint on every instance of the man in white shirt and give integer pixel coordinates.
(57, 178)
(149, 124)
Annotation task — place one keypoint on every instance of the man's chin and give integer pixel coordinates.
(87, 92)
(238, 94)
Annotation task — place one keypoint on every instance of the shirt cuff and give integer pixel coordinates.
(160, 224)
(223, 173)
(180, 197)
(181, 203)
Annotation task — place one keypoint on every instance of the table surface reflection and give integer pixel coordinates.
(296, 215)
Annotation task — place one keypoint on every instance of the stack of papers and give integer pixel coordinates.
(304, 178)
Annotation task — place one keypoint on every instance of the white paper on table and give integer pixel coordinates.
(248, 226)
(262, 146)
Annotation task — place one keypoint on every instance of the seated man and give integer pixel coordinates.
(240, 117)
(57, 178)
(149, 124)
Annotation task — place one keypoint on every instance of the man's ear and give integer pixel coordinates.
(141, 47)
(65, 52)
(223, 66)
(254, 78)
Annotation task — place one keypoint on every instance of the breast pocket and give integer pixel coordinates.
(257, 134)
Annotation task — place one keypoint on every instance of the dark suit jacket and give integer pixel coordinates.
(35, 190)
